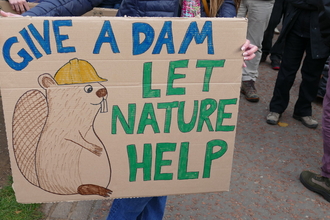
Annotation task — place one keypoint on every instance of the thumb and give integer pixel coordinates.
(8, 14)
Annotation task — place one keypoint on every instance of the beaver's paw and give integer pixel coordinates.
(91, 189)
(105, 192)
(97, 150)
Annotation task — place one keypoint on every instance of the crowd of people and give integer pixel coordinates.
(304, 41)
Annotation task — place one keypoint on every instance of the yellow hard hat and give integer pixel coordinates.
(77, 71)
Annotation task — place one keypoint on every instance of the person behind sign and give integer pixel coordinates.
(303, 43)
(258, 14)
(275, 51)
(320, 183)
(148, 208)
(110, 4)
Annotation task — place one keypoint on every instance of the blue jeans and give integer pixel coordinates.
(146, 208)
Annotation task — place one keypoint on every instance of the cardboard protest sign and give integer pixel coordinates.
(5, 6)
(99, 107)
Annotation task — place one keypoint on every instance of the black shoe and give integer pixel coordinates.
(275, 64)
(263, 57)
(316, 183)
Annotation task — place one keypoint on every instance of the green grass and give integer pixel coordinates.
(11, 210)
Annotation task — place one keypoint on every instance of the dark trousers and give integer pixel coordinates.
(275, 50)
(326, 133)
(311, 70)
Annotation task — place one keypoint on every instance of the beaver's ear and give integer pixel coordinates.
(46, 80)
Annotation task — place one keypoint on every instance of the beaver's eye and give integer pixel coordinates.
(88, 89)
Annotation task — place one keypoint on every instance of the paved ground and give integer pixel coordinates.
(264, 184)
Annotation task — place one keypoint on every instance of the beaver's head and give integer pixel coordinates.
(82, 97)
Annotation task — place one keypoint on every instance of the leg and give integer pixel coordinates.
(311, 73)
(312, 181)
(258, 14)
(137, 208)
(293, 53)
(326, 133)
(154, 209)
(277, 50)
(274, 20)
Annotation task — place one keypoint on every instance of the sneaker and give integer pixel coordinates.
(249, 91)
(316, 183)
(273, 118)
(308, 121)
(275, 64)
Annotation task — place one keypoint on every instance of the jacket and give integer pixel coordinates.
(324, 19)
(109, 3)
(134, 8)
(167, 8)
(62, 8)
(295, 7)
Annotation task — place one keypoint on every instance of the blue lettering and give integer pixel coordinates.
(43, 41)
(148, 31)
(30, 43)
(110, 38)
(193, 32)
(166, 30)
(59, 38)
(22, 53)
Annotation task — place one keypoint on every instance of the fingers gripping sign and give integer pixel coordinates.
(20, 6)
(8, 14)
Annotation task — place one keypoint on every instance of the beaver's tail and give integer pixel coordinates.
(29, 119)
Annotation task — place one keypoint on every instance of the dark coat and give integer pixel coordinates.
(109, 3)
(295, 7)
(166, 8)
(62, 8)
(149, 8)
(134, 8)
(324, 19)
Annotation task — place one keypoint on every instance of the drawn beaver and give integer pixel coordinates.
(53, 134)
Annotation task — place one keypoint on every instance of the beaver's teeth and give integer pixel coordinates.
(104, 106)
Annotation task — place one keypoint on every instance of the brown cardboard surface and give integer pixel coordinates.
(5, 6)
(90, 100)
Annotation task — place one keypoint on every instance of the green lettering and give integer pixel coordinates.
(222, 115)
(210, 156)
(207, 108)
(159, 162)
(117, 114)
(147, 81)
(183, 164)
(168, 115)
(145, 164)
(209, 65)
(173, 76)
(148, 117)
(187, 127)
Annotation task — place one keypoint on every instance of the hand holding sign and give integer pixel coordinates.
(8, 14)
(249, 51)
(20, 6)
